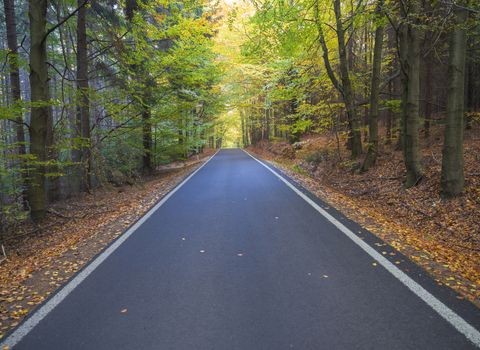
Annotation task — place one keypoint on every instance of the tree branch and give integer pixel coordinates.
(66, 18)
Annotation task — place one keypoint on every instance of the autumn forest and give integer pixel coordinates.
(374, 105)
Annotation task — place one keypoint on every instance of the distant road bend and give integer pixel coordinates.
(238, 258)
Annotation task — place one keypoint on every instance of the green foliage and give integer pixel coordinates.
(10, 187)
(392, 105)
(128, 160)
(300, 126)
(161, 63)
(166, 66)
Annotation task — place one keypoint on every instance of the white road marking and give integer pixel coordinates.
(443, 310)
(44, 310)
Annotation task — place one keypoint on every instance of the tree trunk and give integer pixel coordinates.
(82, 155)
(371, 157)
(452, 179)
(428, 95)
(53, 181)
(267, 124)
(348, 95)
(242, 120)
(131, 6)
(147, 140)
(390, 116)
(411, 96)
(40, 111)
(392, 91)
(472, 77)
(11, 27)
(403, 59)
(345, 88)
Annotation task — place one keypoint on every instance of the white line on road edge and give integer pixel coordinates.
(443, 310)
(14, 338)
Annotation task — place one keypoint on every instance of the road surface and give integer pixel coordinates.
(236, 259)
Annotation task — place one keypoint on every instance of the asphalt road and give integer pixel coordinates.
(235, 259)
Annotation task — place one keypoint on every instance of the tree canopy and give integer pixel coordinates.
(96, 90)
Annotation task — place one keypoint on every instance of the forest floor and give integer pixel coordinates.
(442, 236)
(42, 258)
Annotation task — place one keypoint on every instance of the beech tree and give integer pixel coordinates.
(410, 37)
(347, 90)
(452, 180)
(372, 152)
(344, 84)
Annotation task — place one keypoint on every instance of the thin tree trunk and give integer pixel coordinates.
(242, 120)
(390, 118)
(52, 181)
(82, 154)
(83, 112)
(392, 69)
(371, 157)
(131, 6)
(348, 95)
(40, 111)
(267, 124)
(428, 94)
(11, 27)
(147, 140)
(345, 88)
(248, 124)
(452, 179)
(403, 59)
